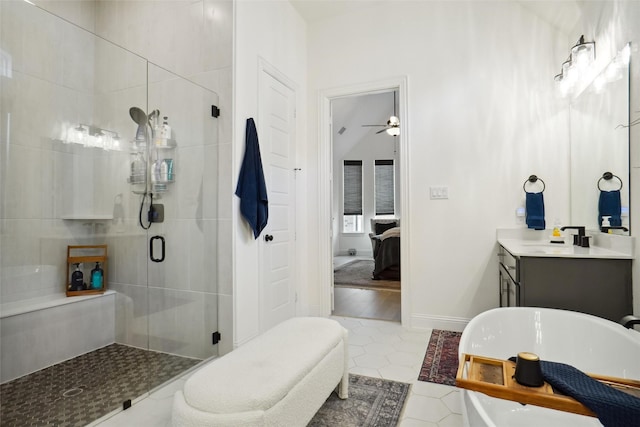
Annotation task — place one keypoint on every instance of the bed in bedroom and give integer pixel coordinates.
(385, 240)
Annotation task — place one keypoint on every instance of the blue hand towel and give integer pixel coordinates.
(609, 205)
(614, 408)
(251, 189)
(535, 211)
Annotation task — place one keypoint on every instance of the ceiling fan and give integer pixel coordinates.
(393, 124)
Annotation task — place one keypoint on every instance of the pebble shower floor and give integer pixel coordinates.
(85, 388)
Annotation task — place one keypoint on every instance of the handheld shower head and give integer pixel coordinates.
(138, 115)
(140, 118)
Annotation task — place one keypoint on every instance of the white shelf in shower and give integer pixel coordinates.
(87, 217)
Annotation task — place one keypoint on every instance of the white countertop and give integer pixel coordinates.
(542, 248)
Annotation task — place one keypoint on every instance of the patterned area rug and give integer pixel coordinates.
(441, 360)
(372, 402)
(358, 273)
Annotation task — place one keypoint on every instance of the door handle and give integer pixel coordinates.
(154, 259)
(268, 238)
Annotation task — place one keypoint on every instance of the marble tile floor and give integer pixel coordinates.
(376, 348)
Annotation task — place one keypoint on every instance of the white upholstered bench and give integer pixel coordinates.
(280, 378)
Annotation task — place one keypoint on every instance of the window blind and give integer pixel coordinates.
(353, 187)
(384, 187)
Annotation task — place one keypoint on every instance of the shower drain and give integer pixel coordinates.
(72, 392)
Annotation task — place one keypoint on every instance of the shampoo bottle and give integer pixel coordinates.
(165, 131)
(77, 279)
(137, 169)
(96, 277)
(164, 171)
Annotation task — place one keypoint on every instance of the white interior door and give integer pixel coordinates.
(277, 146)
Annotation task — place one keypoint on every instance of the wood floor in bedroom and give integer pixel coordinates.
(368, 304)
(364, 303)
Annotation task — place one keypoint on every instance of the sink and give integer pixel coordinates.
(549, 248)
(546, 245)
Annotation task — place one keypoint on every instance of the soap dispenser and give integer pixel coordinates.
(96, 277)
(77, 279)
(556, 235)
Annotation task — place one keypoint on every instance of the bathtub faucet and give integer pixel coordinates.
(629, 321)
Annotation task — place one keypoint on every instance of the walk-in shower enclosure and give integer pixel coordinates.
(65, 171)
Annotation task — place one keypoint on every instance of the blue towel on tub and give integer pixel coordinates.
(535, 211)
(609, 205)
(614, 408)
(251, 189)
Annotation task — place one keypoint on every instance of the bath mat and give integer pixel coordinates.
(441, 359)
(372, 402)
(357, 274)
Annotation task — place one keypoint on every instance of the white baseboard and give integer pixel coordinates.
(423, 321)
(360, 253)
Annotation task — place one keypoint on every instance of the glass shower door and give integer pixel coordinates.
(182, 262)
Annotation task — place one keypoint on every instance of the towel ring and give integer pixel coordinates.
(532, 179)
(608, 176)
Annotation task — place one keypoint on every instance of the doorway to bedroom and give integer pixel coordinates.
(365, 206)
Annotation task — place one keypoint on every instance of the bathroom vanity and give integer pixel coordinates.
(535, 273)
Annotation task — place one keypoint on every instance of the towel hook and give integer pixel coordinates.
(532, 179)
(607, 176)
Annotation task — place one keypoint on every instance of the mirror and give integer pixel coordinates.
(599, 119)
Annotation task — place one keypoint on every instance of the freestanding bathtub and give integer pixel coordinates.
(589, 343)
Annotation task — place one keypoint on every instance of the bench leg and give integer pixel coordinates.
(343, 386)
(342, 389)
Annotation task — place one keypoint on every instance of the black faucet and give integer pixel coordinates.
(629, 321)
(606, 228)
(578, 239)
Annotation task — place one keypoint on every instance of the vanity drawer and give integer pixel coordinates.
(509, 289)
(509, 277)
(509, 263)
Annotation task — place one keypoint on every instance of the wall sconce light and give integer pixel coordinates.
(582, 55)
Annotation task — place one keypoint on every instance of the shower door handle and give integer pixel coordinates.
(153, 258)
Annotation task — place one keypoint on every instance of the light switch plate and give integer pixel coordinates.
(440, 192)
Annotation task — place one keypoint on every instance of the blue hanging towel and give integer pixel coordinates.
(251, 189)
(535, 211)
(609, 205)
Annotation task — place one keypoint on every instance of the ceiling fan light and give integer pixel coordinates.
(394, 131)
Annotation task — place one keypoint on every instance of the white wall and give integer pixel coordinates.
(483, 116)
(275, 32)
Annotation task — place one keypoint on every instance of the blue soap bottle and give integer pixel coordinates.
(96, 277)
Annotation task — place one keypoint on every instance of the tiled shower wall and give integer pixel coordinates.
(192, 289)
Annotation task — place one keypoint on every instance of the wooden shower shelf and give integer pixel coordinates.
(494, 377)
(86, 255)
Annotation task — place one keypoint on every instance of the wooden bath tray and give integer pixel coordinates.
(494, 377)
